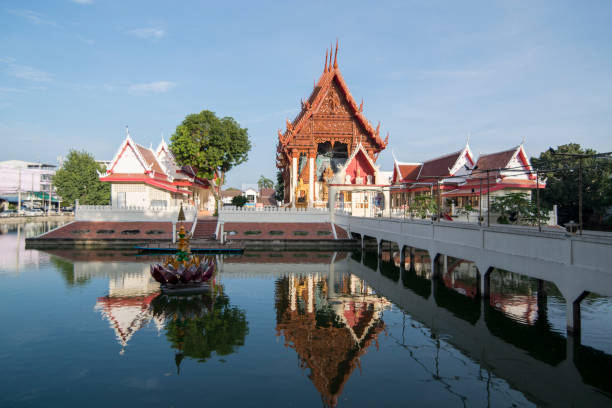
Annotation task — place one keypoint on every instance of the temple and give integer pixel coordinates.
(326, 132)
(143, 177)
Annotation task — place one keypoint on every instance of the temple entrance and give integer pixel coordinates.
(328, 156)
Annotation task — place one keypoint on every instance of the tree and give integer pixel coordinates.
(211, 146)
(280, 186)
(239, 200)
(201, 325)
(423, 205)
(562, 175)
(264, 182)
(510, 206)
(78, 180)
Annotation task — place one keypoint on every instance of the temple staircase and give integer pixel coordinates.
(205, 228)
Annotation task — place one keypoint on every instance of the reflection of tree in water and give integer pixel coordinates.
(201, 325)
(66, 269)
(329, 325)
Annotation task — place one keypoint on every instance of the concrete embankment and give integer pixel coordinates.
(46, 218)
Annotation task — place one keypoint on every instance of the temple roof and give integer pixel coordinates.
(155, 167)
(500, 160)
(331, 74)
(437, 168)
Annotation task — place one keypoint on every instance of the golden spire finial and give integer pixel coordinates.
(325, 68)
(336, 56)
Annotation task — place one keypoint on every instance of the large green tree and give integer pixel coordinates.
(562, 183)
(211, 145)
(77, 179)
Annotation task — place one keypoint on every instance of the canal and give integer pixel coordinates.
(289, 329)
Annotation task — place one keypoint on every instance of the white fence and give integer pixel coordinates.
(273, 214)
(111, 213)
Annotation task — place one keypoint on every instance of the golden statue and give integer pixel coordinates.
(301, 194)
(328, 174)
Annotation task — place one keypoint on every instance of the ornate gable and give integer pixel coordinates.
(330, 114)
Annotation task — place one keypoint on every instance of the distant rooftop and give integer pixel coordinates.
(21, 164)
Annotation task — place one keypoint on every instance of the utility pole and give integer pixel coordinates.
(580, 193)
(488, 200)
(32, 193)
(480, 203)
(19, 195)
(538, 201)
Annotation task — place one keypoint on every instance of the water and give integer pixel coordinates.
(288, 329)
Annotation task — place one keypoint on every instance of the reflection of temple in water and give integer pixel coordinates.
(126, 307)
(330, 322)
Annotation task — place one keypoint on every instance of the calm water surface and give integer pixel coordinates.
(288, 329)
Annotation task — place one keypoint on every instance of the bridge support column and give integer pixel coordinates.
(435, 267)
(542, 302)
(402, 252)
(573, 315)
(484, 281)
(412, 254)
(380, 247)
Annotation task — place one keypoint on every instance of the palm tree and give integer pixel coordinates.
(265, 182)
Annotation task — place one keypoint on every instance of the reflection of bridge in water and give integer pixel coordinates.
(549, 368)
(577, 265)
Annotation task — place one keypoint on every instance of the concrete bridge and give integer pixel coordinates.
(513, 351)
(576, 264)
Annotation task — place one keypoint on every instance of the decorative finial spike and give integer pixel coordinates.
(361, 106)
(336, 56)
(325, 68)
(127, 131)
(378, 128)
(331, 48)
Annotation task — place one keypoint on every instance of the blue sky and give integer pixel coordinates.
(74, 73)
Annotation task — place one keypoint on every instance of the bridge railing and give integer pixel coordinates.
(273, 214)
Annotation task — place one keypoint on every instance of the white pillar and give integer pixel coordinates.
(174, 232)
(310, 181)
(293, 182)
(387, 202)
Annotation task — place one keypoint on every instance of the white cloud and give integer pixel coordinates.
(34, 17)
(157, 87)
(144, 33)
(82, 1)
(84, 40)
(25, 72)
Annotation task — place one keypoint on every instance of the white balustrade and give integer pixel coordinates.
(116, 214)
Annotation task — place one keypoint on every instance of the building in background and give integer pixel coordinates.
(27, 183)
(143, 177)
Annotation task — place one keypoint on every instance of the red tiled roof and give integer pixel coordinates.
(156, 182)
(492, 161)
(409, 171)
(230, 193)
(439, 167)
(267, 192)
(150, 158)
